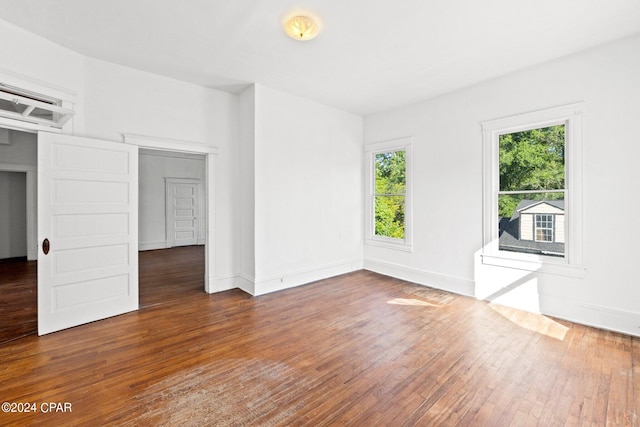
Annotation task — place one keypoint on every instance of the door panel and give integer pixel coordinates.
(183, 211)
(88, 210)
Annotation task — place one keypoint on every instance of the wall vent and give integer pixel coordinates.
(23, 105)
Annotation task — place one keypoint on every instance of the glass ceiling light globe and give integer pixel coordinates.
(301, 28)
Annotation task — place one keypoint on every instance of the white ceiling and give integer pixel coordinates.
(371, 55)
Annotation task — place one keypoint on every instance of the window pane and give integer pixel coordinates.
(389, 216)
(543, 235)
(532, 159)
(390, 172)
(389, 198)
(12, 106)
(41, 113)
(532, 223)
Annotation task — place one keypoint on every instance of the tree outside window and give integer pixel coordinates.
(389, 194)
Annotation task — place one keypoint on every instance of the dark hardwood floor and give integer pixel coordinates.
(163, 275)
(166, 274)
(18, 299)
(359, 349)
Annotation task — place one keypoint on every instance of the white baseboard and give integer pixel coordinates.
(246, 283)
(236, 281)
(150, 246)
(32, 255)
(298, 278)
(445, 282)
(221, 284)
(598, 316)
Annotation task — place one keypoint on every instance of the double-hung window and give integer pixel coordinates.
(388, 213)
(532, 191)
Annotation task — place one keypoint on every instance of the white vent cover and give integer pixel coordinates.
(23, 105)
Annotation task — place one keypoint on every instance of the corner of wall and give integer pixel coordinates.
(299, 278)
(236, 281)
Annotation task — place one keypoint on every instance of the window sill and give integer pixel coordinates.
(539, 265)
(389, 244)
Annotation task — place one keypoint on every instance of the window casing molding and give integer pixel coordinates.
(571, 116)
(406, 244)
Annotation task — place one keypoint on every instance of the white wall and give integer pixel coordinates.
(155, 166)
(46, 62)
(448, 187)
(246, 168)
(308, 191)
(13, 214)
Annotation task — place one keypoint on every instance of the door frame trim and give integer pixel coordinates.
(210, 152)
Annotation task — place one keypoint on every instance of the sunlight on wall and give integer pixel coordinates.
(507, 286)
(515, 295)
(533, 322)
(522, 294)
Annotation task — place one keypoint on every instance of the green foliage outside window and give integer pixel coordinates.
(390, 181)
(531, 160)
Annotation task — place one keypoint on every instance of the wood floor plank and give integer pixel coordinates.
(18, 299)
(358, 349)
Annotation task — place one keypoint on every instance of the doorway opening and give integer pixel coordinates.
(172, 219)
(89, 149)
(18, 268)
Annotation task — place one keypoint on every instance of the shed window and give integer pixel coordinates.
(544, 228)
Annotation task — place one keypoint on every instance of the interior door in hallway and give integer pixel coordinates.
(183, 211)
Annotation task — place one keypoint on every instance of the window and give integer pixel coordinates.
(544, 228)
(26, 106)
(532, 191)
(389, 193)
(389, 207)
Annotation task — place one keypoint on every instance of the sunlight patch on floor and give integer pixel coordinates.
(411, 301)
(533, 322)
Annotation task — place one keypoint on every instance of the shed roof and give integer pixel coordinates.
(526, 204)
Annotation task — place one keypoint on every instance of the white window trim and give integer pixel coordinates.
(371, 239)
(573, 262)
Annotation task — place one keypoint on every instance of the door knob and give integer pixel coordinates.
(45, 246)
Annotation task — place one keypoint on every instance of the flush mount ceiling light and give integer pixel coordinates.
(301, 28)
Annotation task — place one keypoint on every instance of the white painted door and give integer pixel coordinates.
(87, 230)
(183, 211)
